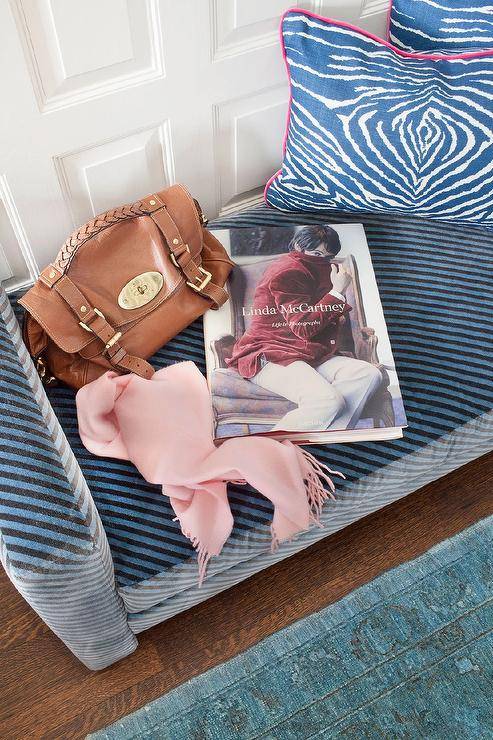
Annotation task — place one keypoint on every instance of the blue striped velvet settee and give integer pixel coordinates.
(92, 547)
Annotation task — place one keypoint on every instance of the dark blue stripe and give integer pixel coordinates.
(36, 501)
(443, 353)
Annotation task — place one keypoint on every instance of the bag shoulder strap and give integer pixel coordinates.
(197, 278)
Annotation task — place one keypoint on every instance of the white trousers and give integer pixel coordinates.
(330, 396)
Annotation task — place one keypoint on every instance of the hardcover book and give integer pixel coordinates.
(301, 349)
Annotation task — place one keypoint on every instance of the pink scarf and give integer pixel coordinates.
(164, 426)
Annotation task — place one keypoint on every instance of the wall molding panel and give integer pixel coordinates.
(5, 269)
(373, 7)
(248, 137)
(249, 200)
(238, 27)
(117, 171)
(114, 172)
(73, 59)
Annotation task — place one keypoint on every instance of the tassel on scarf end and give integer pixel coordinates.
(322, 469)
(203, 557)
(315, 474)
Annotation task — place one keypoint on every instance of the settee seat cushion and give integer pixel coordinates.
(436, 285)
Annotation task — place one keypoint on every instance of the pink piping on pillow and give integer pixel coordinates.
(343, 24)
(271, 180)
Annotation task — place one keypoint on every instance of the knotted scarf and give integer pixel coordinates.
(164, 426)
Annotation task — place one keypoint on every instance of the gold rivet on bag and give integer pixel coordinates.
(52, 274)
(176, 241)
(152, 202)
(83, 309)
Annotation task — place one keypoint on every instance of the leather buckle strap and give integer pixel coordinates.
(92, 320)
(116, 336)
(196, 277)
(120, 359)
(173, 255)
(88, 328)
(114, 339)
(182, 259)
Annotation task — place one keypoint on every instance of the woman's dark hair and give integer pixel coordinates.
(311, 236)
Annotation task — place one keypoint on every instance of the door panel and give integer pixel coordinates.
(78, 51)
(132, 164)
(108, 100)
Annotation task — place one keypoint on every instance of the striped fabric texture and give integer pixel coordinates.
(368, 494)
(437, 291)
(449, 26)
(373, 129)
(441, 337)
(52, 544)
(442, 343)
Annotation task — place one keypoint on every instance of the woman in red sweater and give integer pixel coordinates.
(290, 347)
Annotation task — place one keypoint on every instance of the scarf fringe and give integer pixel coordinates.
(315, 474)
(203, 556)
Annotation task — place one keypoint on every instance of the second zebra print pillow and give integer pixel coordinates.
(372, 128)
(447, 26)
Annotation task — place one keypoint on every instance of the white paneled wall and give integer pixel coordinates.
(107, 100)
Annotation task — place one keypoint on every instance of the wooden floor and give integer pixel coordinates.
(46, 693)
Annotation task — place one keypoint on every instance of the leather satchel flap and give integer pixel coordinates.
(125, 271)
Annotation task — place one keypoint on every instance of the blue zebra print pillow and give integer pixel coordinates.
(441, 25)
(372, 128)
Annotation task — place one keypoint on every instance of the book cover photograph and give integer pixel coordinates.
(301, 349)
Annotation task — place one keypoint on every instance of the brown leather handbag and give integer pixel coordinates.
(122, 286)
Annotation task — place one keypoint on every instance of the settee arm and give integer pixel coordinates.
(52, 542)
(366, 345)
(221, 349)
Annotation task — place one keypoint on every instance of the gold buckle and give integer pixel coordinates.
(205, 281)
(114, 339)
(173, 258)
(88, 328)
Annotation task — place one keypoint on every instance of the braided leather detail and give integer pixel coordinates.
(91, 228)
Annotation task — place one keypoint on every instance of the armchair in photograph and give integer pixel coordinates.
(258, 407)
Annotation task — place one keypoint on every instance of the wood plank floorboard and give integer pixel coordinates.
(46, 693)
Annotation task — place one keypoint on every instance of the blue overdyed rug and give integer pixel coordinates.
(409, 655)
